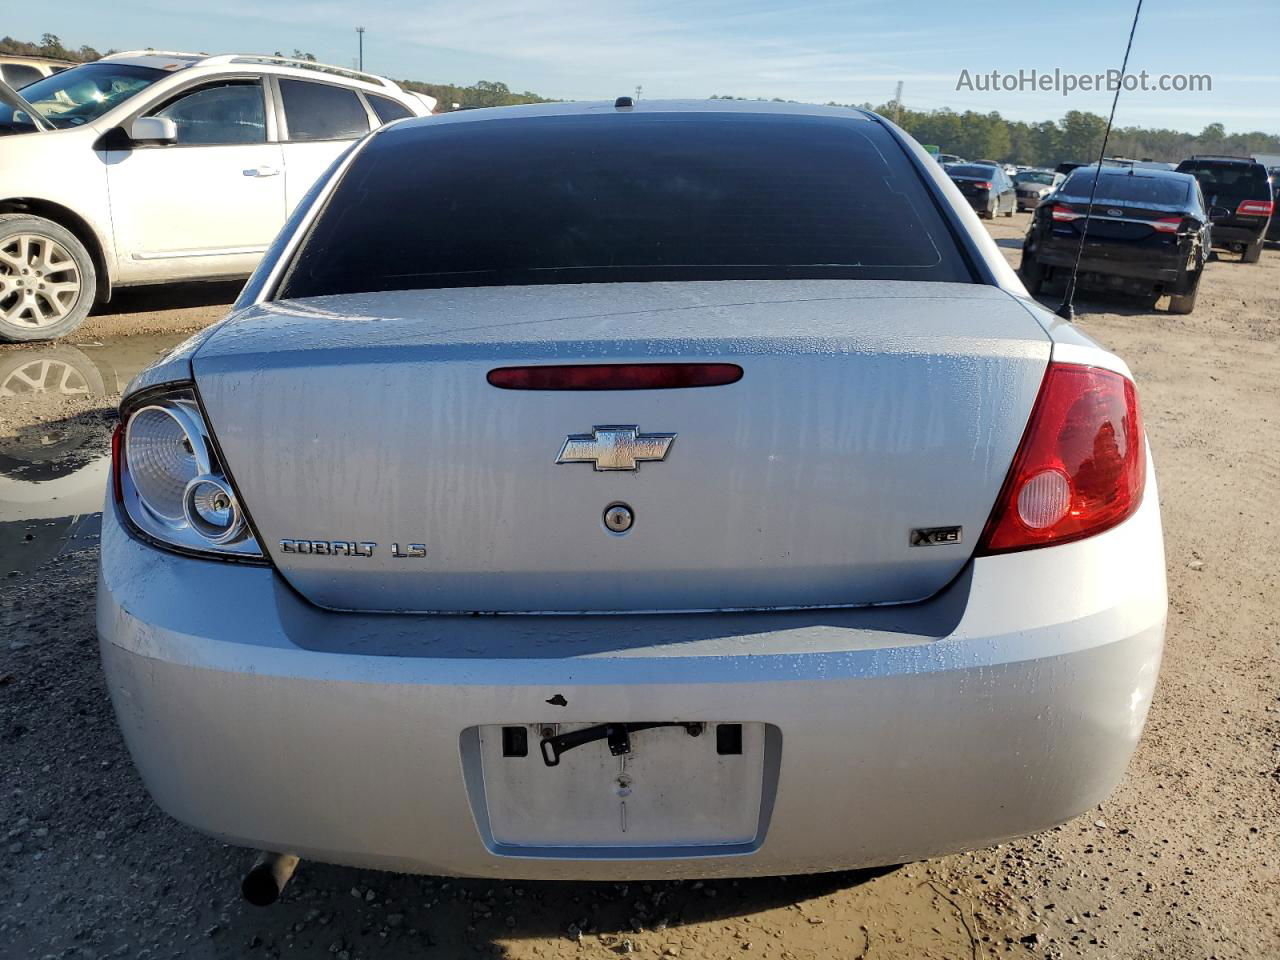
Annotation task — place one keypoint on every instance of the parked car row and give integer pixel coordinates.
(1150, 230)
(151, 166)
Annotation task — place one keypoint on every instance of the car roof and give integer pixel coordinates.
(1149, 173)
(157, 59)
(174, 60)
(608, 107)
(1220, 158)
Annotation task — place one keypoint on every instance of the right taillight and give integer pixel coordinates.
(1255, 208)
(1081, 467)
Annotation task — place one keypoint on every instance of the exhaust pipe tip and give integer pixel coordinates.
(267, 878)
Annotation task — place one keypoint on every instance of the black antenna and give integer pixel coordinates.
(1068, 310)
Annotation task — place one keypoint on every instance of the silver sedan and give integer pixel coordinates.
(612, 491)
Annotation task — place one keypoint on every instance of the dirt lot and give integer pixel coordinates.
(1183, 861)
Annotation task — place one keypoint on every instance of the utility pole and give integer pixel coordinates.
(360, 36)
(639, 88)
(897, 103)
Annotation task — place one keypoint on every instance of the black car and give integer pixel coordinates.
(1273, 231)
(1240, 185)
(987, 188)
(1149, 233)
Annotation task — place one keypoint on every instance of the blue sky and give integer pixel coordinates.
(848, 51)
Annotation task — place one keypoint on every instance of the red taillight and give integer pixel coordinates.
(983, 184)
(1166, 224)
(117, 461)
(615, 376)
(1255, 208)
(1065, 214)
(1081, 467)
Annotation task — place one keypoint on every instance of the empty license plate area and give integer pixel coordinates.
(622, 785)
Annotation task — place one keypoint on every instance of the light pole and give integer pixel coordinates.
(360, 36)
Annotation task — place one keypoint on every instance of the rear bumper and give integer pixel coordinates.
(1138, 264)
(1009, 703)
(1223, 234)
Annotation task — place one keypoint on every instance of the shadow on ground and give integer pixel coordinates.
(170, 296)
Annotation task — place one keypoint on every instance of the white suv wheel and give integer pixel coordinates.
(47, 280)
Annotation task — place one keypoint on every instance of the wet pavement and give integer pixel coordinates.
(57, 411)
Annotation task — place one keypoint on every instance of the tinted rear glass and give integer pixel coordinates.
(388, 109)
(321, 111)
(625, 197)
(1236, 178)
(1127, 188)
(975, 170)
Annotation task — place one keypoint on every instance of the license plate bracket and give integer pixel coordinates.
(622, 785)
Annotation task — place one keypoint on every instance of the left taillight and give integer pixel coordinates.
(168, 479)
(1081, 467)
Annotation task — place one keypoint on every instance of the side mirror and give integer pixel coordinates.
(153, 130)
(1218, 213)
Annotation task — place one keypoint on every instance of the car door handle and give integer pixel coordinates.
(263, 171)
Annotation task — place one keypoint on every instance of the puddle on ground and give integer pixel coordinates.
(53, 468)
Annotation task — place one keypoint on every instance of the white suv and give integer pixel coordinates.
(150, 167)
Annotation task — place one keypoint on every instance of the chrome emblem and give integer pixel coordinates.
(615, 448)
(1114, 212)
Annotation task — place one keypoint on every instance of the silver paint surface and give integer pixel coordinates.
(866, 409)
(1007, 704)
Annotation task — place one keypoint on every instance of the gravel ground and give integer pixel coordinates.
(1182, 861)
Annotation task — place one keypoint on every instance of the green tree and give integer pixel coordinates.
(1081, 136)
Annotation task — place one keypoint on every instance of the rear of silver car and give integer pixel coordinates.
(498, 581)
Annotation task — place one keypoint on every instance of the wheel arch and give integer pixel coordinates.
(68, 219)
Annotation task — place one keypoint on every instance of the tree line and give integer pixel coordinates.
(974, 135)
(1076, 137)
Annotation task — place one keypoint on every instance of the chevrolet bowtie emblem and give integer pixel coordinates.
(615, 448)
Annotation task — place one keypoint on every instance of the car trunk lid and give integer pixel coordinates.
(866, 410)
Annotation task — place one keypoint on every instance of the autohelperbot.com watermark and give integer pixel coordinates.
(1066, 83)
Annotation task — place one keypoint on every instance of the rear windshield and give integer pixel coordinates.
(625, 197)
(1221, 177)
(975, 170)
(1034, 176)
(1120, 187)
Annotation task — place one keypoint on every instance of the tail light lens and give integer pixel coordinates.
(1167, 224)
(1081, 467)
(1064, 214)
(1255, 208)
(166, 476)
